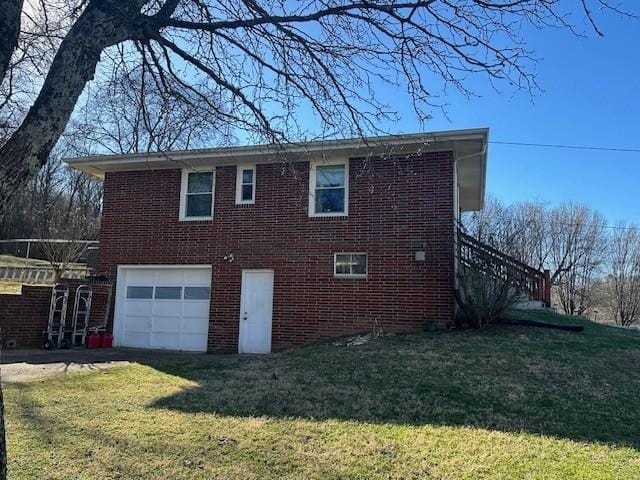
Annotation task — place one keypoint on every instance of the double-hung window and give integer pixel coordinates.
(246, 184)
(196, 202)
(329, 189)
(350, 265)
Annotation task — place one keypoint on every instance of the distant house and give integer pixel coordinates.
(254, 249)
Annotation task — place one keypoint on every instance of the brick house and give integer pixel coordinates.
(256, 249)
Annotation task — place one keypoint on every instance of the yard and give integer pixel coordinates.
(12, 286)
(9, 286)
(15, 287)
(13, 261)
(503, 403)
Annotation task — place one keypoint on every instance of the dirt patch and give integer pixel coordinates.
(22, 371)
(24, 365)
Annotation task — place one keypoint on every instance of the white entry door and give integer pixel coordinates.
(256, 308)
(163, 307)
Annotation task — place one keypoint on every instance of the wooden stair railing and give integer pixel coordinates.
(477, 255)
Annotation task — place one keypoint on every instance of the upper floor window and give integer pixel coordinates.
(329, 189)
(246, 184)
(196, 199)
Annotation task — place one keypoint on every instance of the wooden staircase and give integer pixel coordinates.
(533, 283)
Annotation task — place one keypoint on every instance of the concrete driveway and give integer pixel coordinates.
(23, 365)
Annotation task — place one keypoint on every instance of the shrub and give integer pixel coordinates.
(482, 298)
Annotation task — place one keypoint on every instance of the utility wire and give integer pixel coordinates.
(628, 227)
(572, 147)
(589, 225)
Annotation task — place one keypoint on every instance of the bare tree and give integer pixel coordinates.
(520, 230)
(577, 244)
(72, 230)
(62, 254)
(128, 113)
(569, 240)
(255, 65)
(529, 242)
(3, 440)
(47, 204)
(624, 279)
(489, 225)
(3, 437)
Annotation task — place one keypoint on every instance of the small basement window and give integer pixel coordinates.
(246, 184)
(196, 200)
(328, 189)
(350, 265)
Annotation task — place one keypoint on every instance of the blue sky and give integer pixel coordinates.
(591, 97)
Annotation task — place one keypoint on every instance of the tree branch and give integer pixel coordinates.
(100, 25)
(9, 31)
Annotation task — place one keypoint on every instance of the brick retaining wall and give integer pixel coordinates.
(24, 316)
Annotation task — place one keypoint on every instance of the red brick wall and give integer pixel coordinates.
(24, 317)
(397, 206)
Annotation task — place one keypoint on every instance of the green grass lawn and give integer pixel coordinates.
(9, 286)
(503, 403)
(13, 261)
(15, 288)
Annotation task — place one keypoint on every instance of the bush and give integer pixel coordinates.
(482, 299)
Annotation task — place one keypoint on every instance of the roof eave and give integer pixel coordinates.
(469, 147)
(97, 165)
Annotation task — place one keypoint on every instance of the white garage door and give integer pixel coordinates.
(163, 308)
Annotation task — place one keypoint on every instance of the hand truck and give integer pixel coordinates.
(57, 317)
(81, 311)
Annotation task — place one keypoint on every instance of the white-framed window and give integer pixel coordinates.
(196, 196)
(246, 184)
(350, 265)
(196, 293)
(168, 293)
(329, 189)
(139, 292)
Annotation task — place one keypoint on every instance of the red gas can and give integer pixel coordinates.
(107, 340)
(93, 341)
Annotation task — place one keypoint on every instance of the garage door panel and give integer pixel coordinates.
(138, 340)
(166, 324)
(169, 318)
(132, 307)
(195, 325)
(136, 323)
(140, 276)
(195, 309)
(199, 277)
(167, 308)
(170, 277)
(193, 343)
(170, 341)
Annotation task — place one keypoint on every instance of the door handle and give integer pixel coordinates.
(245, 317)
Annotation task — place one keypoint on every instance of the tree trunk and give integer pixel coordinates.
(9, 31)
(3, 440)
(101, 25)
